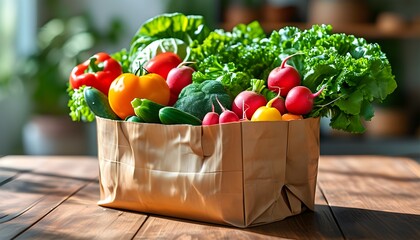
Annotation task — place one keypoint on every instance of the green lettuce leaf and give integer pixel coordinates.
(158, 46)
(234, 58)
(355, 73)
(122, 57)
(185, 29)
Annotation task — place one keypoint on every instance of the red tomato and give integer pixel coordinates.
(163, 63)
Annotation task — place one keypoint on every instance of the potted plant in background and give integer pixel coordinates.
(62, 43)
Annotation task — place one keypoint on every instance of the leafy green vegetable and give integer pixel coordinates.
(355, 73)
(79, 110)
(185, 29)
(233, 81)
(234, 58)
(159, 46)
(122, 58)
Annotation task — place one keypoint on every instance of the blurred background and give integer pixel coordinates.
(42, 40)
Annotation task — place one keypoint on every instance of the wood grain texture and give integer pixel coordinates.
(6, 175)
(39, 187)
(308, 225)
(78, 167)
(79, 217)
(358, 197)
(373, 197)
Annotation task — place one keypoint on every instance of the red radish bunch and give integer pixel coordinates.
(283, 78)
(249, 99)
(300, 100)
(286, 80)
(178, 78)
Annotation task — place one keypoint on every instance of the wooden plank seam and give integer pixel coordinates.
(330, 210)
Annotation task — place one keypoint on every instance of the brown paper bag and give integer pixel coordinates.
(240, 174)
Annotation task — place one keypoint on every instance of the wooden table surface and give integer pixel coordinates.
(358, 197)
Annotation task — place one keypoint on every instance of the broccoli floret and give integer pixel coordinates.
(198, 98)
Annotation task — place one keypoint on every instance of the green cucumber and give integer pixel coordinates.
(147, 110)
(134, 118)
(171, 115)
(98, 103)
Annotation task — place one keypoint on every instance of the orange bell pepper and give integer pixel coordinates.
(129, 86)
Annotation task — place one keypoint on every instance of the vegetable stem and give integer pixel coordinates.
(283, 63)
(319, 92)
(257, 85)
(93, 67)
(271, 102)
(331, 102)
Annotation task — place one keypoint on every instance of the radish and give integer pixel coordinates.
(283, 78)
(300, 100)
(280, 105)
(252, 99)
(177, 79)
(227, 115)
(211, 118)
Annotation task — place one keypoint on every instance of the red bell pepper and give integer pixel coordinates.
(99, 71)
